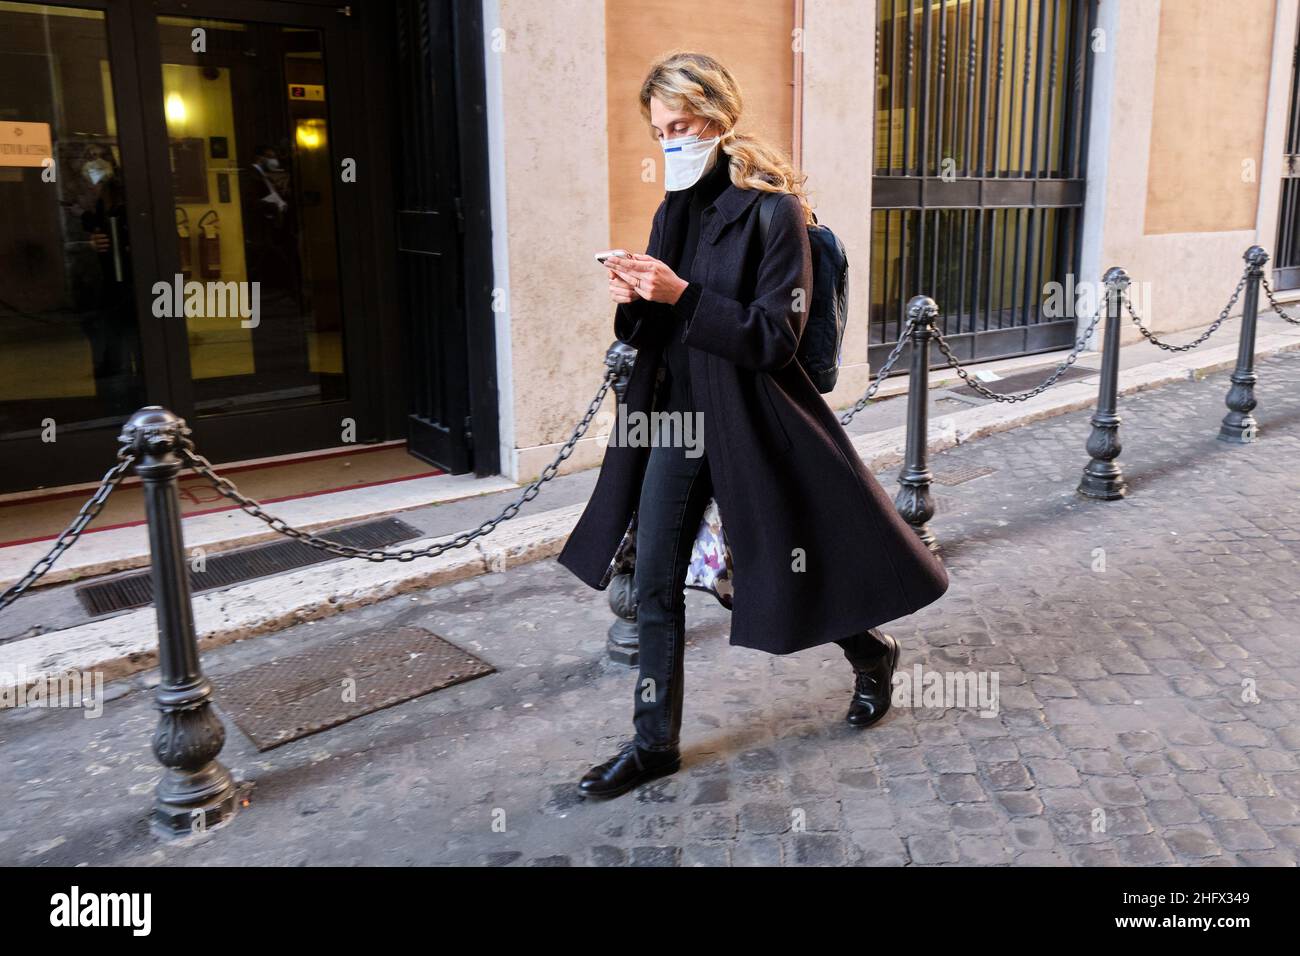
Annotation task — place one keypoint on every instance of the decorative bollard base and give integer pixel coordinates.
(1239, 433)
(623, 645)
(172, 822)
(1105, 487)
(196, 793)
(927, 538)
(916, 505)
(1239, 426)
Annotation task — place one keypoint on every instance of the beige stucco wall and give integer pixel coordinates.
(1166, 109)
(839, 84)
(1207, 120)
(547, 74)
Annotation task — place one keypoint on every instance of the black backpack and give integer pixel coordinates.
(823, 336)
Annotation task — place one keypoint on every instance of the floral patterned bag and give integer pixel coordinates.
(710, 565)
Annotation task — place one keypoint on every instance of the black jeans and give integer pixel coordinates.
(674, 493)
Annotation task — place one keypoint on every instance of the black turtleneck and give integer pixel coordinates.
(685, 208)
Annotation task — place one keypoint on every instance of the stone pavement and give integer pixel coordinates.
(1146, 652)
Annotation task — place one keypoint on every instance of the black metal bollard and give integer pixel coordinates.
(1239, 425)
(622, 645)
(914, 501)
(1102, 477)
(196, 792)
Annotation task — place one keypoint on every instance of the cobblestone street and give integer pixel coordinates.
(1146, 650)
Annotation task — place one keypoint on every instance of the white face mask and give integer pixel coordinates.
(97, 170)
(685, 160)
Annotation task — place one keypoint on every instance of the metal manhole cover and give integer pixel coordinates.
(956, 476)
(292, 697)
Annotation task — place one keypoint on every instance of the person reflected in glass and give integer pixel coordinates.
(110, 323)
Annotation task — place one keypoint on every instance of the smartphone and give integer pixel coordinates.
(602, 256)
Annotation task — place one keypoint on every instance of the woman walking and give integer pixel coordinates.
(715, 311)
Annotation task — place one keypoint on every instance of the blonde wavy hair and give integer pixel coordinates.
(699, 84)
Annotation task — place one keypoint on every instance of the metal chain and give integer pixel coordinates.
(1019, 396)
(1277, 306)
(227, 489)
(1223, 315)
(89, 511)
(880, 376)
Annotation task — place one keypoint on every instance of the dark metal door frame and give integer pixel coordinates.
(478, 276)
(946, 224)
(1286, 256)
(444, 235)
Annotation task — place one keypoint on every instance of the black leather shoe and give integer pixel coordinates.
(872, 687)
(630, 768)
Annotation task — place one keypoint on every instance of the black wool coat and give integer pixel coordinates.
(818, 551)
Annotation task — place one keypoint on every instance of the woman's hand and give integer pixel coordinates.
(647, 277)
(620, 291)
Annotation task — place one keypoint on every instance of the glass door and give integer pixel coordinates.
(181, 227)
(73, 245)
(245, 112)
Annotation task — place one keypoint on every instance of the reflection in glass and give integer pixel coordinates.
(69, 342)
(247, 122)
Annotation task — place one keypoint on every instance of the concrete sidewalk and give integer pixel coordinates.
(48, 632)
(1145, 650)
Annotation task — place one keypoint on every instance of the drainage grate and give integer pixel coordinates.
(235, 567)
(957, 476)
(292, 697)
(1024, 381)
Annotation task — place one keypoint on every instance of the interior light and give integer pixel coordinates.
(175, 109)
(308, 134)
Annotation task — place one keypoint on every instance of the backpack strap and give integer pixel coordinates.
(766, 210)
